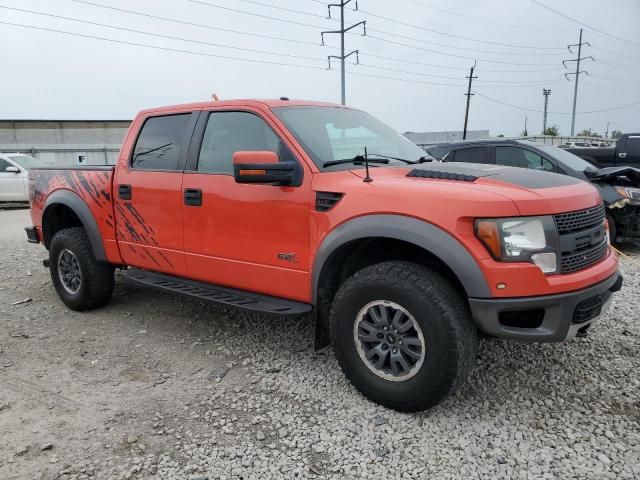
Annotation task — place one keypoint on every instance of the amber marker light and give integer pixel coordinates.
(487, 233)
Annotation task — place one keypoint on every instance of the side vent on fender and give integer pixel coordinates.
(325, 201)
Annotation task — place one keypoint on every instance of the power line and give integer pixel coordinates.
(460, 37)
(192, 24)
(295, 41)
(602, 32)
(182, 39)
(490, 22)
(393, 42)
(253, 14)
(225, 57)
(412, 72)
(616, 54)
(214, 5)
(233, 47)
(450, 67)
(491, 52)
(555, 113)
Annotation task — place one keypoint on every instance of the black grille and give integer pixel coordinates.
(587, 309)
(327, 200)
(581, 238)
(581, 220)
(572, 262)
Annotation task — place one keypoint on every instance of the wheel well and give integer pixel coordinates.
(57, 217)
(361, 253)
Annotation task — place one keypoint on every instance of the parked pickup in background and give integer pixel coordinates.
(290, 208)
(618, 186)
(625, 153)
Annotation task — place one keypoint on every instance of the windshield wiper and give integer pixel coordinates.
(357, 160)
(422, 159)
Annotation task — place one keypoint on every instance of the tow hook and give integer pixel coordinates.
(45, 263)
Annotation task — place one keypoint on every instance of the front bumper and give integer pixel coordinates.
(549, 318)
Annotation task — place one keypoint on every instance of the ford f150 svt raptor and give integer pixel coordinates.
(289, 207)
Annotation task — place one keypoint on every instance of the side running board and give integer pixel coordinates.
(219, 295)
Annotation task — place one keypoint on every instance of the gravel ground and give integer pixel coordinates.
(156, 386)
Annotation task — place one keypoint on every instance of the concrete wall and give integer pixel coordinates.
(65, 142)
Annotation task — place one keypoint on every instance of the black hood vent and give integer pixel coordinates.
(325, 201)
(463, 177)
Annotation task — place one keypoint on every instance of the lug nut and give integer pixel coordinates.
(395, 350)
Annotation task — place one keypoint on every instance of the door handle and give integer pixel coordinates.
(124, 192)
(193, 197)
(622, 155)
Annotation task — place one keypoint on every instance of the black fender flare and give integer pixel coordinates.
(418, 232)
(79, 207)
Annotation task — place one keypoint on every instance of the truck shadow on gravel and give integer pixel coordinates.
(506, 373)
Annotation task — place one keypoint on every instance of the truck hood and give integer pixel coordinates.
(533, 192)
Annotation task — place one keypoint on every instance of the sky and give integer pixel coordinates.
(413, 60)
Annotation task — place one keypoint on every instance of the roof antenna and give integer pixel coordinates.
(367, 178)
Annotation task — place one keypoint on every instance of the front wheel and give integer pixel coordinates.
(402, 335)
(81, 281)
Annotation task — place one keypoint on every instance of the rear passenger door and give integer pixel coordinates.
(148, 194)
(247, 236)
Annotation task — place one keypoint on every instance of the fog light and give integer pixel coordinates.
(547, 261)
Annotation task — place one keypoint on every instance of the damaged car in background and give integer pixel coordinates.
(618, 186)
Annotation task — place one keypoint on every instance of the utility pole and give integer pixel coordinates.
(468, 95)
(546, 92)
(342, 57)
(577, 74)
(525, 131)
(606, 135)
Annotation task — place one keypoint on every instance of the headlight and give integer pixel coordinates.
(521, 239)
(632, 194)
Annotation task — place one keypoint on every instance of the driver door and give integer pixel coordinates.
(247, 236)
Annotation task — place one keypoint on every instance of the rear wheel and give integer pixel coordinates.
(402, 335)
(81, 282)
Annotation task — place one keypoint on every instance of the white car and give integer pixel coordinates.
(14, 176)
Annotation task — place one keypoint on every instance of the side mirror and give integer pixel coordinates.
(12, 169)
(262, 167)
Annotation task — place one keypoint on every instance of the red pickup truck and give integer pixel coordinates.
(289, 207)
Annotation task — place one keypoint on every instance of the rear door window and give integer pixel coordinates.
(159, 143)
(472, 155)
(522, 158)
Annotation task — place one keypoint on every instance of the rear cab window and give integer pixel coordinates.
(160, 141)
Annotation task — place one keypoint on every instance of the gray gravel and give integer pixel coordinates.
(155, 386)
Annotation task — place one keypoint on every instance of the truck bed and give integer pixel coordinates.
(92, 185)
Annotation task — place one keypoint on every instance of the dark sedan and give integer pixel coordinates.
(619, 186)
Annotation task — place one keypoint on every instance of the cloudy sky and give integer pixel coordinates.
(413, 62)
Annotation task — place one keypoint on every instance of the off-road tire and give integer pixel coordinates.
(97, 279)
(442, 313)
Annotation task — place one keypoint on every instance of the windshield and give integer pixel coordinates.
(334, 133)
(567, 158)
(25, 161)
